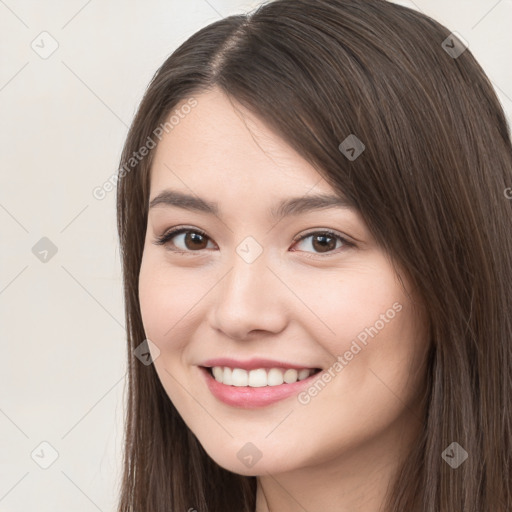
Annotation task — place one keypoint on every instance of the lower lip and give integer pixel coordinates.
(248, 397)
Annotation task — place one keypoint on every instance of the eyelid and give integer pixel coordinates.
(329, 231)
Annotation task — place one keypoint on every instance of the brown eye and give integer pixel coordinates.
(324, 242)
(191, 240)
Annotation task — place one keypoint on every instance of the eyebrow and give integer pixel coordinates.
(288, 207)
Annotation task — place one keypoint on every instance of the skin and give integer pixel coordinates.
(339, 451)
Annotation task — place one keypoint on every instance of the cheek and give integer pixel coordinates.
(346, 303)
(166, 302)
(170, 300)
(368, 325)
(152, 299)
(160, 303)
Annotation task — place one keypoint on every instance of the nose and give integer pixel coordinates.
(249, 300)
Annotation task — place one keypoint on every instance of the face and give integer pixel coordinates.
(277, 297)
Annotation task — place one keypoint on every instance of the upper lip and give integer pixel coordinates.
(252, 364)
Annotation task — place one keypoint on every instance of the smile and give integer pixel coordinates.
(259, 377)
(265, 387)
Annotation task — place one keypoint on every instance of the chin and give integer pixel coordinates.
(234, 462)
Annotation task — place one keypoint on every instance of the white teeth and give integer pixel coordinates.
(275, 377)
(304, 374)
(239, 377)
(218, 373)
(260, 377)
(257, 378)
(290, 376)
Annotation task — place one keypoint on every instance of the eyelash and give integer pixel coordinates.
(166, 237)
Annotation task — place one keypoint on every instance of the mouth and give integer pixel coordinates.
(259, 377)
(258, 387)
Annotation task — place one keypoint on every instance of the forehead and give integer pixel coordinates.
(218, 144)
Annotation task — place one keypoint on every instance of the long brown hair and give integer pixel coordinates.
(430, 185)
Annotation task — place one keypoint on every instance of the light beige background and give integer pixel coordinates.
(64, 119)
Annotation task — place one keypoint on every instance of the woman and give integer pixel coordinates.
(317, 261)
